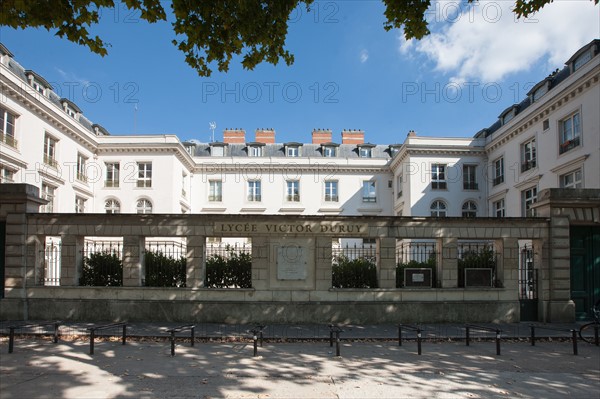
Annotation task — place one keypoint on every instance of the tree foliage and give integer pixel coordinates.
(212, 32)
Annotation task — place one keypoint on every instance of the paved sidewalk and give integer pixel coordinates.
(143, 368)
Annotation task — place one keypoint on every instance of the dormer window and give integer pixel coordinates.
(582, 60)
(293, 150)
(365, 150)
(37, 82)
(508, 114)
(70, 108)
(217, 149)
(255, 149)
(539, 90)
(329, 150)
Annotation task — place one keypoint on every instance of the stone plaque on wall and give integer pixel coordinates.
(292, 262)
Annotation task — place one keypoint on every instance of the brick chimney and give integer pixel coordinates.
(352, 136)
(234, 136)
(320, 136)
(266, 136)
(411, 133)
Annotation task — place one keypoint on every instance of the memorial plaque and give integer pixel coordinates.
(417, 277)
(475, 277)
(291, 262)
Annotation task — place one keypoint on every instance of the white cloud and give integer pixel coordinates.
(364, 56)
(71, 77)
(486, 42)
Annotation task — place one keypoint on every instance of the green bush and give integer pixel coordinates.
(231, 271)
(164, 271)
(102, 269)
(413, 264)
(355, 273)
(484, 258)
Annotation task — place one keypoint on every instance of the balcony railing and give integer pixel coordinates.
(8, 140)
(469, 185)
(525, 166)
(569, 145)
(498, 179)
(48, 160)
(82, 177)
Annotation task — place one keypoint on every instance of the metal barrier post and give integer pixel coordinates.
(532, 327)
(124, 333)
(11, 339)
(400, 335)
(419, 341)
(331, 335)
(498, 342)
(193, 335)
(337, 343)
(92, 334)
(255, 338)
(172, 342)
(467, 336)
(574, 334)
(55, 333)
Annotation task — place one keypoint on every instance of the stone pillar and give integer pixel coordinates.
(15, 265)
(540, 263)
(195, 271)
(260, 263)
(449, 262)
(71, 259)
(507, 268)
(133, 258)
(386, 255)
(35, 260)
(560, 308)
(323, 263)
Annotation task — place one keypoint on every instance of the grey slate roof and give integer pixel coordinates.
(278, 150)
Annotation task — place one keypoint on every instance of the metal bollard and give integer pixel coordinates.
(193, 336)
(419, 341)
(172, 343)
(337, 343)
(498, 342)
(574, 334)
(400, 335)
(124, 333)
(532, 335)
(255, 344)
(92, 336)
(331, 335)
(11, 339)
(55, 333)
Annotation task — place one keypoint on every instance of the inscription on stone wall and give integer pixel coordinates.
(291, 262)
(292, 228)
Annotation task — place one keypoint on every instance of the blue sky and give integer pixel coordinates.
(349, 73)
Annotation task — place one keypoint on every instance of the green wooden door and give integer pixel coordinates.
(585, 268)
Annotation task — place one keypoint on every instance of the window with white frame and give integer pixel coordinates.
(470, 177)
(7, 127)
(528, 155)
(6, 175)
(570, 133)
(365, 152)
(571, 179)
(112, 174)
(469, 209)
(292, 191)
(81, 167)
(80, 204)
(528, 198)
(217, 150)
(112, 206)
(254, 191)
(438, 176)
(331, 191)
(498, 171)
(329, 151)
(369, 191)
(255, 151)
(144, 206)
(144, 174)
(582, 60)
(215, 190)
(438, 209)
(399, 181)
(292, 151)
(499, 208)
(50, 150)
(48, 193)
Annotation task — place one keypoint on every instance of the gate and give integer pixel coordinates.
(585, 269)
(528, 287)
